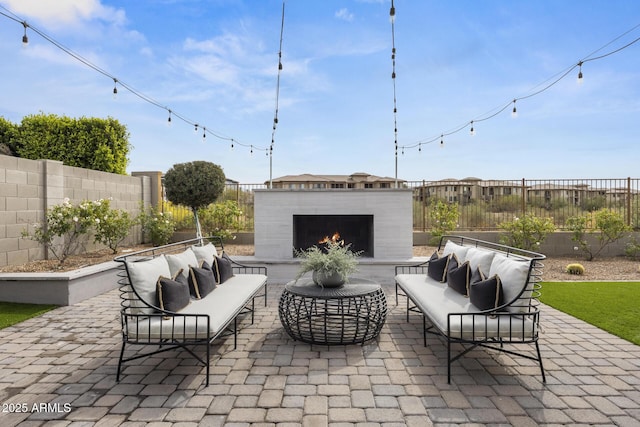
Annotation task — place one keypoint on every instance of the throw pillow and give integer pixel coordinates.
(486, 294)
(222, 269)
(173, 294)
(437, 268)
(459, 278)
(201, 281)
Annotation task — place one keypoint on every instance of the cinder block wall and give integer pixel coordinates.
(29, 187)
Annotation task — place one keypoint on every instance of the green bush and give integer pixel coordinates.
(91, 143)
(512, 203)
(220, 219)
(606, 225)
(158, 227)
(444, 219)
(577, 269)
(527, 232)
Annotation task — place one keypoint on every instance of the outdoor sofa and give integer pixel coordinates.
(476, 293)
(184, 295)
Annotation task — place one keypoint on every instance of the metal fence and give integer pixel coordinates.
(485, 204)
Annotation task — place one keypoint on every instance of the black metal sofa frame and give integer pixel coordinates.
(514, 322)
(171, 330)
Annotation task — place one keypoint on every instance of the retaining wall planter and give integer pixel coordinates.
(65, 288)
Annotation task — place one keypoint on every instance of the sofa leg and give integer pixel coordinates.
(448, 361)
(208, 362)
(424, 330)
(120, 362)
(544, 379)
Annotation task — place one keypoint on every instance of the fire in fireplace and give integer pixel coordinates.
(357, 230)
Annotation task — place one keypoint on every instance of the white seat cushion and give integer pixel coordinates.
(222, 305)
(437, 300)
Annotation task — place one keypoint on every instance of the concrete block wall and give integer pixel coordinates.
(29, 187)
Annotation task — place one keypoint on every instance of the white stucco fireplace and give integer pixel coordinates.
(386, 214)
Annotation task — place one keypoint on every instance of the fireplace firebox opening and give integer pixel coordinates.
(357, 230)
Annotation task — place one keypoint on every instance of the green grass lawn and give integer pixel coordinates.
(612, 306)
(12, 313)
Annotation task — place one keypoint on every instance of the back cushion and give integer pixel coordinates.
(513, 274)
(205, 253)
(143, 276)
(454, 248)
(182, 261)
(480, 259)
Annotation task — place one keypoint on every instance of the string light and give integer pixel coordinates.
(25, 39)
(118, 84)
(204, 134)
(169, 119)
(392, 15)
(195, 129)
(580, 72)
(441, 140)
(514, 112)
(472, 131)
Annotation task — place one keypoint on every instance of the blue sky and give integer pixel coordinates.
(215, 62)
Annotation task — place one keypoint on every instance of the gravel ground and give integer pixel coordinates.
(617, 268)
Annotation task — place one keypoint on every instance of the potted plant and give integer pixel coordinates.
(331, 264)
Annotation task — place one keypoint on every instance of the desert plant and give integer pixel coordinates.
(527, 232)
(194, 184)
(575, 268)
(444, 219)
(607, 226)
(332, 257)
(157, 226)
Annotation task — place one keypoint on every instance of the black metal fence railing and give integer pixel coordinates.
(485, 204)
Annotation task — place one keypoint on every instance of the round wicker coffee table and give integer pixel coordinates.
(351, 314)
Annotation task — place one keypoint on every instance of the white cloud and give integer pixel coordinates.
(62, 13)
(344, 14)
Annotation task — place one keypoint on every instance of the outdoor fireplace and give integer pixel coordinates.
(356, 230)
(377, 221)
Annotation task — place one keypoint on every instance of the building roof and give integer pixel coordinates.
(354, 177)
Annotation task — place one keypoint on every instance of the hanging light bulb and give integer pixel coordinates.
(392, 13)
(169, 119)
(580, 73)
(204, 134)
(115, 88)
(25, 39)
(403, 150)
(195, 129)
(251, 153)
(420, 148)
(441, 141)
(514, 112)
(231, 144)
(472, 131)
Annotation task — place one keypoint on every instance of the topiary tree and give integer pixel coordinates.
(194, 184)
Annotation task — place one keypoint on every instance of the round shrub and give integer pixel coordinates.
(576, 269)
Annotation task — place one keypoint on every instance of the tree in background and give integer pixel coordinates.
(527, 232)
(444, 217)
(91, 143)
(194, 184)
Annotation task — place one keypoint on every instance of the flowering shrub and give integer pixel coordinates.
(66, 228)
(158, 227)
(527, 232)
(111, 226)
